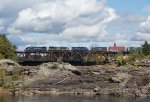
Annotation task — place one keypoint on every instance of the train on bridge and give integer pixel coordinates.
(83, 49)
(74, 54)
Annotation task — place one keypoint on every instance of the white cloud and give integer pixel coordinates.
(44, 21)
(41, 18)
(128, 43)
(133, 18)
(142, 36)
(143, 33)
(145, 26)
(68, 20)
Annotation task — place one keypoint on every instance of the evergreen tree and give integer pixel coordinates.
(7, 49)
(146, 48)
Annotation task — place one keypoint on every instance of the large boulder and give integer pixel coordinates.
(71, 68)
(58, 69)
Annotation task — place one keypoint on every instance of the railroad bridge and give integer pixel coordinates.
(91, 57)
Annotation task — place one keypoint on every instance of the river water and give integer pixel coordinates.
(67, 99)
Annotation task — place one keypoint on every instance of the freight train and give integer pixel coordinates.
(82, 49)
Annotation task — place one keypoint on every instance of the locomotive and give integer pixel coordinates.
(35, 49)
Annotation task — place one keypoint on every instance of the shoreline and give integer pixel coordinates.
(114, 93)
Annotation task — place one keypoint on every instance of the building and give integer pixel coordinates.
(117, 48)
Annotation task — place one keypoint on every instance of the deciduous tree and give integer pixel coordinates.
(146, 48)
(7, 49)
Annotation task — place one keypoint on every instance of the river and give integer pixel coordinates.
(67, 99)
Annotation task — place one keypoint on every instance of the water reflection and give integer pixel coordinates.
(66, 99)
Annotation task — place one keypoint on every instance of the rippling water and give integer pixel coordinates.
(67, 99)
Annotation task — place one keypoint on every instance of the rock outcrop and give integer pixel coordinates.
(120, 78)
(53, 68)
(8, 65)
(63, 78)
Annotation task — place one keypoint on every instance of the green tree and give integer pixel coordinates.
(7, 49)
(146, 48)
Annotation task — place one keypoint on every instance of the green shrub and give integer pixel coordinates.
(2, 75)
(15, 75)
(146, 48)
(121, 62)
(1, 56)
(7, 49)
(8, 81)
(135, 64)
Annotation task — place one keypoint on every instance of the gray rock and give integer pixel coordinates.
(115, 80)
(120, 78)
(96, 89)
(56, 68)
(8, 65)
(7, 62)
(71, 68)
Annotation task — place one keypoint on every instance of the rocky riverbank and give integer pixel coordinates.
(62, 78)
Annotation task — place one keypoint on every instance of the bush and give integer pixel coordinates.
(15, 75)
(121, 62)
(136, 55)
(135, 64)
(146, 48)
(2, 75)
(1, 56)
(8, 81)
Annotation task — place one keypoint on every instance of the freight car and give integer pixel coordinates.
(134, 48)
(58, 49)
(35, 49)
(103, 49)
(117, 48)
(79, 49)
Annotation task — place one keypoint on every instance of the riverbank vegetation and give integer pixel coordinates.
(9, 80)
(134, 57)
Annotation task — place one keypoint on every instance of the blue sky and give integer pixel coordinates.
(135, 6)
(75, 22)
